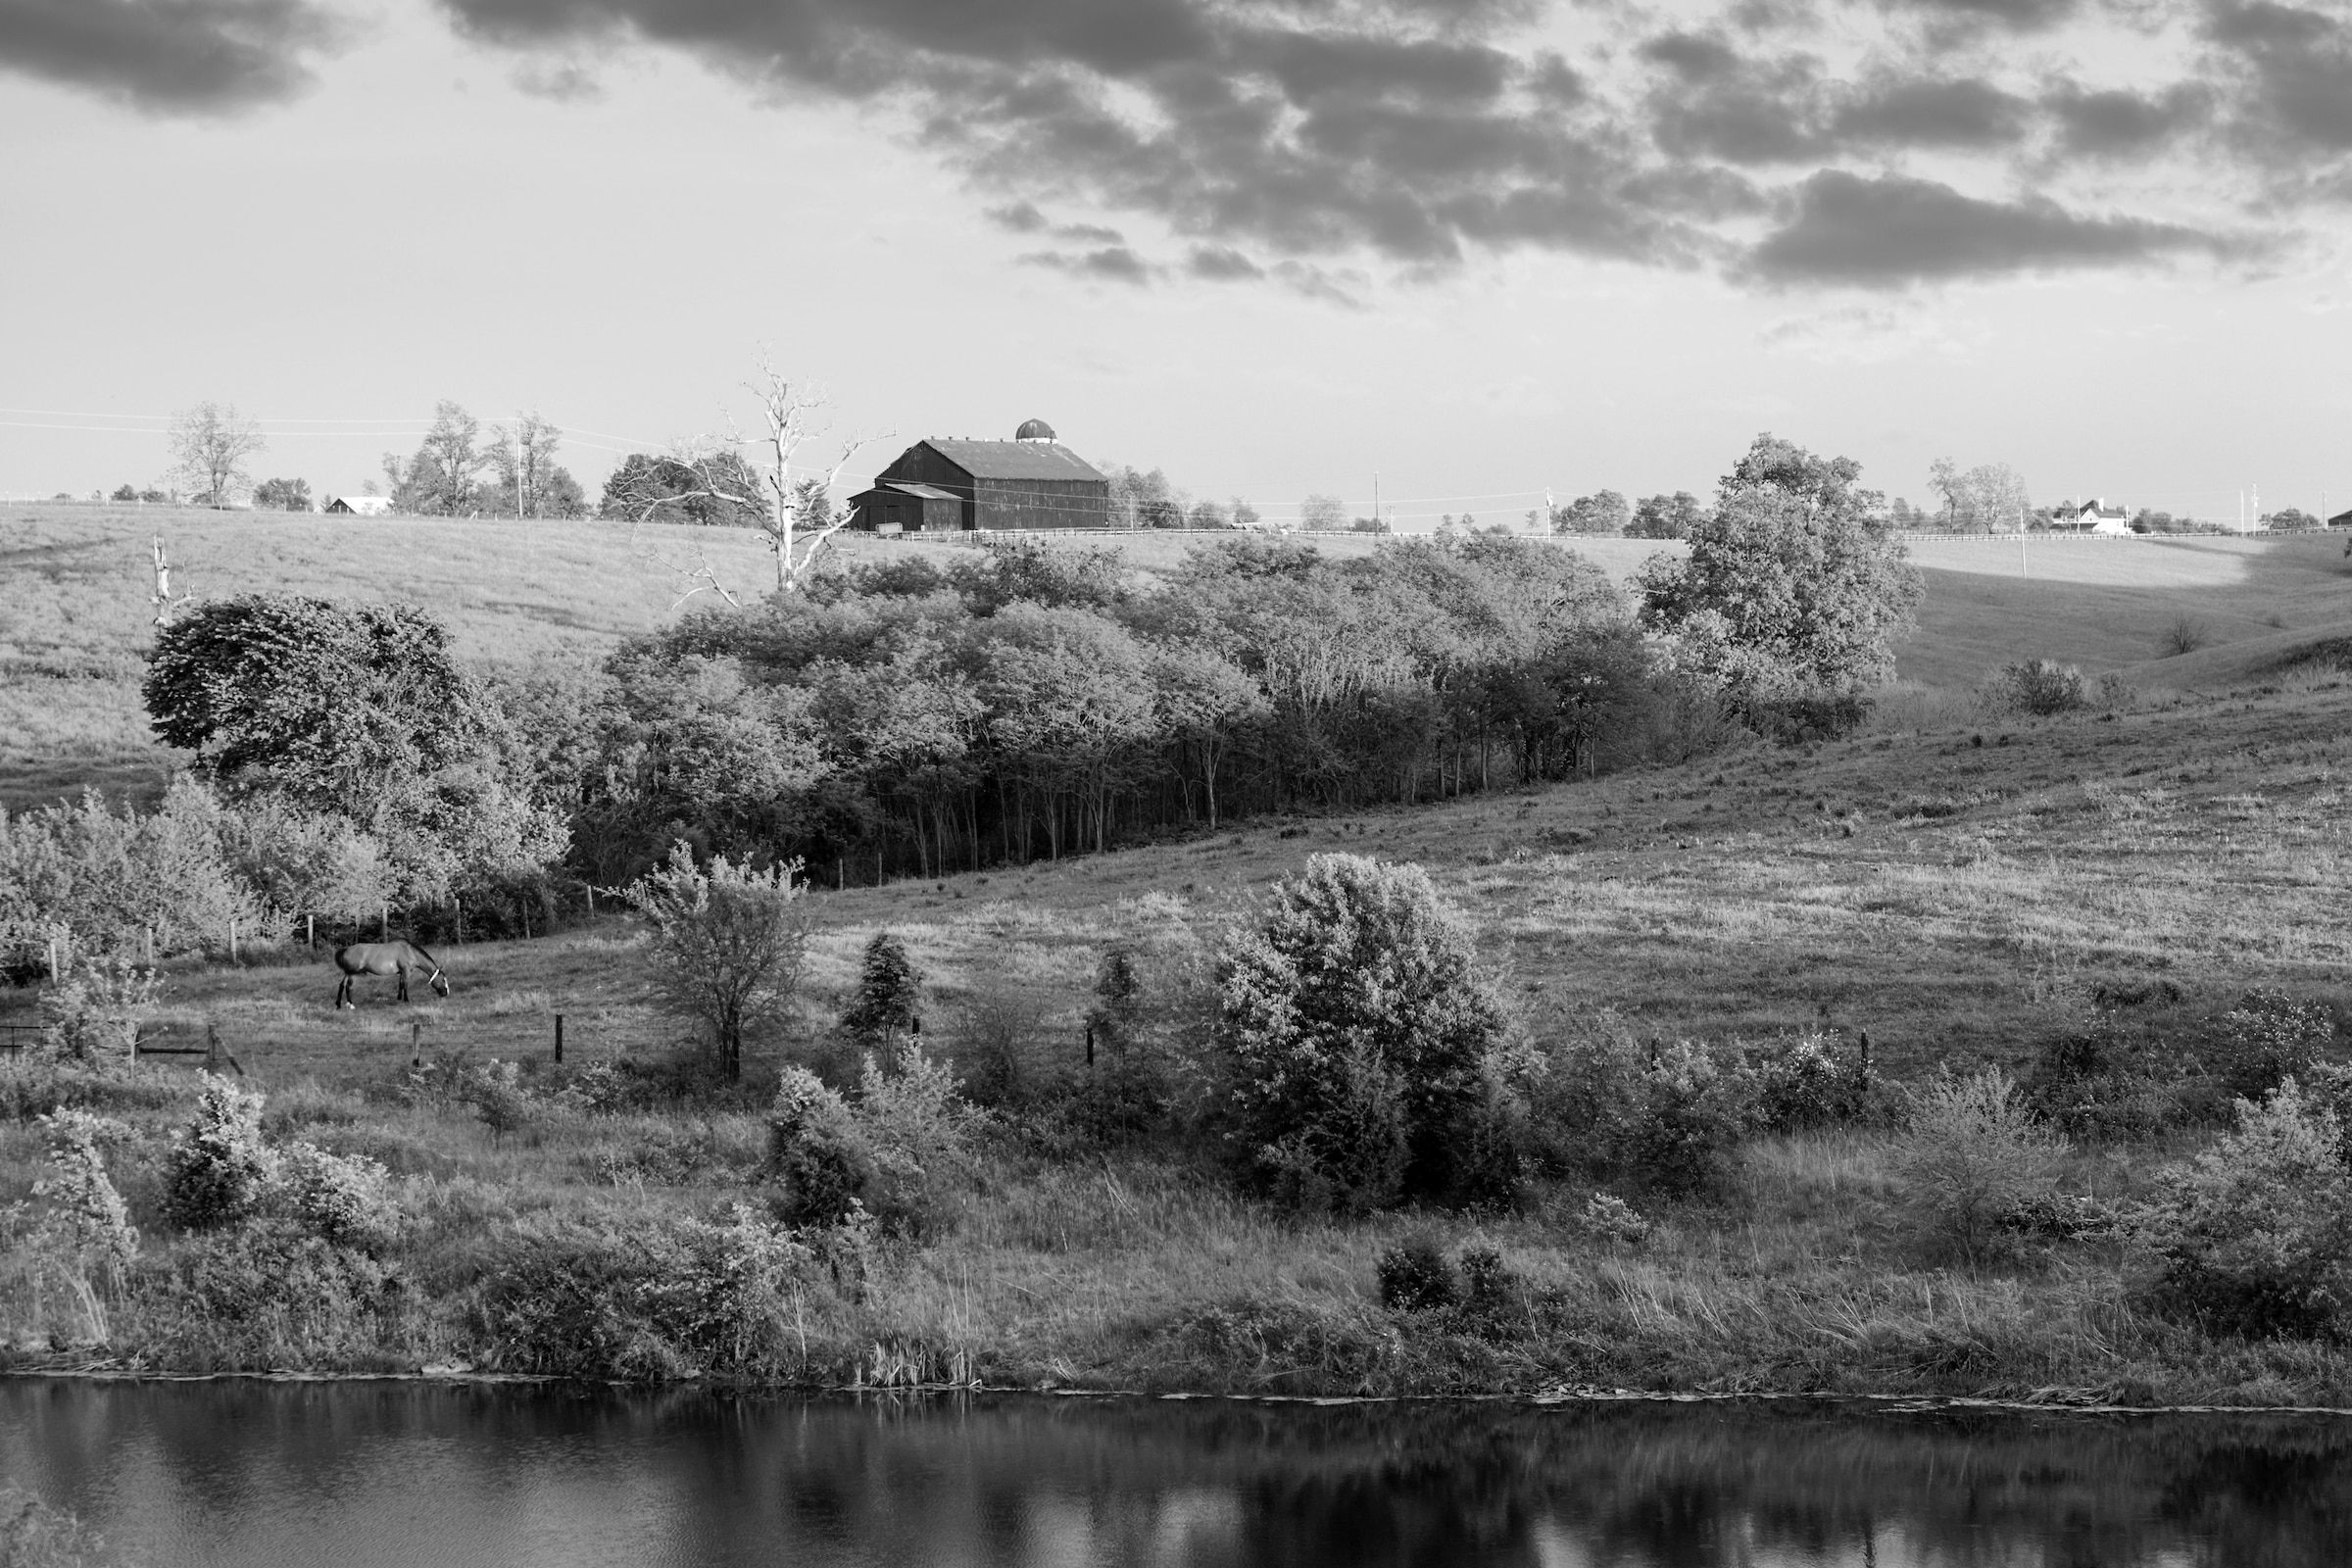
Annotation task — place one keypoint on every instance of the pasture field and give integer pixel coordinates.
(1964, 890)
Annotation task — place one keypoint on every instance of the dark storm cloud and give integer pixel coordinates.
(1961, 114)
(2292, 67)
(1893, 231)
(167, 56)
(2121, 124)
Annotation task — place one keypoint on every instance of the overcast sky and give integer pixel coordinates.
(1481, 247)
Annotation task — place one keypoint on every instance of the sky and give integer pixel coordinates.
(1478, 249)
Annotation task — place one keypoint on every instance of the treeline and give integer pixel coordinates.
(1024, 701)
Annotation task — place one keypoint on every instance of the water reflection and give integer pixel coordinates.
(363, 1474)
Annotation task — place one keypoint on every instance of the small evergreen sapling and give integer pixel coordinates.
(888, 991)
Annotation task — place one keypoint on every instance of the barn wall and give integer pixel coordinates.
(1042, 503)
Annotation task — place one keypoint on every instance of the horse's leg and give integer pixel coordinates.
(343, 993)
(402, 971)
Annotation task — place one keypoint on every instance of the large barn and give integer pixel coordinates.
(939, 486)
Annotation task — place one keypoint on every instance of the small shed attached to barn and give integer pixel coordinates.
(1032, 481)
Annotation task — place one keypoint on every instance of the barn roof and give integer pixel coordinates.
(1015, 459)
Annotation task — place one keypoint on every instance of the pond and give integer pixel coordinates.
(354, 1475)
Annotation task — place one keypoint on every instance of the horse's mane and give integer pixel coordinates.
(426, 956)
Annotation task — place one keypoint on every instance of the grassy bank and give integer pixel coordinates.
(1965, 892)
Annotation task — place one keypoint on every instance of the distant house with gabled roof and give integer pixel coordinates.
(940, 485)
(359, 505)
(2095, 516)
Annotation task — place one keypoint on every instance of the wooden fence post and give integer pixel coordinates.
(53, 958)
(415, 1044)
(233, 939)
(558, 1037)
(309, 931)
(151, 947)
(383, 921)
(459, 904)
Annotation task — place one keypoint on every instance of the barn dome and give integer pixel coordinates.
(1033, 430)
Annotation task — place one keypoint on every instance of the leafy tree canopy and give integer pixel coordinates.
(317, 700)
(1793, 586)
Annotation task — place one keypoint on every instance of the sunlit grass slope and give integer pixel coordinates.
(1961, 893)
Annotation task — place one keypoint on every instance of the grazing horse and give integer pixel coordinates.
(386, 958)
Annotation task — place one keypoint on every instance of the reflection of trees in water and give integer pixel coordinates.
(1016, 1480)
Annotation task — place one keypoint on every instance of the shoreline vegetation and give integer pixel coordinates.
(1437, 1033)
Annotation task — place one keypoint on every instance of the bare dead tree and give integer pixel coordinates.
(790, 504)
(163, 598)
(209, 444)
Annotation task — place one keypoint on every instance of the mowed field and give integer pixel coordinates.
(75, 617)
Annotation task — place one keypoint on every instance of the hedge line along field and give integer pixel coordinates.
(1964, 891)
(75, 620)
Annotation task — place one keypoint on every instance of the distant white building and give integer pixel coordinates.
(2095, 516)
(360, 505)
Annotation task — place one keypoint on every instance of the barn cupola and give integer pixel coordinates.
(1033, 430)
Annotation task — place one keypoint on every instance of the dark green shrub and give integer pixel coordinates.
(652, 1304)
(1974, 1155)
(1362, 1042)
(817, 1155)
(889, 988)
(2266, 1039)
(270, 1294)
(1490, 1289)
(1415, 1277)
(218, 1167)
(2040, 687)
(2254, 1236)
(2112, 1080)
(1801, 1083)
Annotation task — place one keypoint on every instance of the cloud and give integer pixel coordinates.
(170, 55)
(1870, 334)
(563, 82)
(1113, 263)
(1222, 264)
(1868, 143)
(1893, 231)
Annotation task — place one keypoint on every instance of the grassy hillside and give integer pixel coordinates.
(75, 620)
(1962, 892)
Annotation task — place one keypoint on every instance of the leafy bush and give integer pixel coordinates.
(269, 1293)
(1610, 1218)
(2255, 1235)
(218, 1167)
(344, 1198)
(730, 943)
(662, 1302)
(81, 1239)
(1365, 1047)
(913, 1124)
(1801, 1083)
(1695, 1107)
(1974, 1155)
(1415, 1277)
(2266, 1039)
(2040, 687)
(2110, 1081)
(816, 1152)
(93, 1014)
(1490, 1289)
